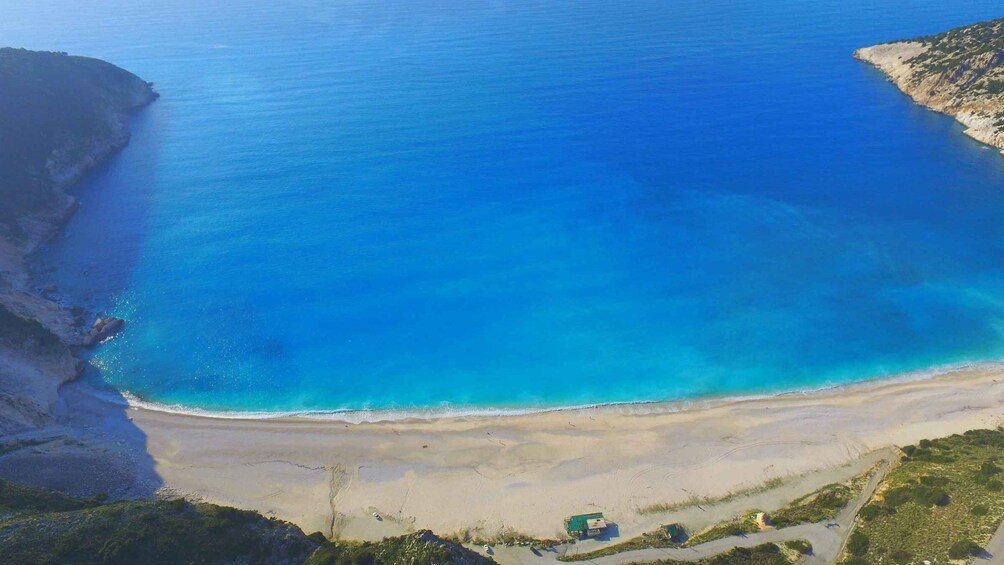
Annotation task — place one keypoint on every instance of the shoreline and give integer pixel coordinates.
(494, 470)
(31, 376)
(639, 407)
(925, 70)
(524, 473)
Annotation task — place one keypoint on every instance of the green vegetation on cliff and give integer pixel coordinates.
(959, 72)
(41, 526)
(954, 48)
(59, 112)
(420, 548)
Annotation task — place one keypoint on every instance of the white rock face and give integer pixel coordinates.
(892, 58)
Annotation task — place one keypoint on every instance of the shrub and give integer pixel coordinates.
(820, 505)
(901, 557)
(897, 496)
(123, 547)
(801, 546)
(318, 537)
(928, 496)
(980, 510)
(910, 449)
(989, 469)
(767, 553)
(963, 549)
(858, 544)
(737, 530)
(176, 504)
(927, 455)
(931, 481)
(870, 512)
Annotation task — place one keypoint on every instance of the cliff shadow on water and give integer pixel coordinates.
(66, 120)
(90, 261)
(97, 449)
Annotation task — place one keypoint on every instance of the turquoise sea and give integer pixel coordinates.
(468, 204)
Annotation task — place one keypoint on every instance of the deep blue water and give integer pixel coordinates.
(417, 203)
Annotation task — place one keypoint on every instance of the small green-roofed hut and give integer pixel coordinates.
(585, 524)
(675, 532)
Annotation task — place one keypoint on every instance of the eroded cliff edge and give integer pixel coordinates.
(959, 73)
(61, 116)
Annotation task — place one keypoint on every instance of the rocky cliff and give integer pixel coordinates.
(59, 117)
(959, 72)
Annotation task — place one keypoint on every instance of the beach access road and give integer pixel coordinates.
(827, 538)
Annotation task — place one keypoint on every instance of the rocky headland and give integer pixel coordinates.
(959, 73)
(62, 116)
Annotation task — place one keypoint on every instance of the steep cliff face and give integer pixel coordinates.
(59, 117)
(33, 363)
(959, 73)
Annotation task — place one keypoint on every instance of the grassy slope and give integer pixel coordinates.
(767, 554)
(40, 526)
(421, 548)
(819, 505)
(946, 491)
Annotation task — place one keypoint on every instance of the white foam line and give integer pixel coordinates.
(640, 407)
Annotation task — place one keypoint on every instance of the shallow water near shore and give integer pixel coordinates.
(399, 205)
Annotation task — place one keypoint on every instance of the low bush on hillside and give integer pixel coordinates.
(40, 526)
(943, 502)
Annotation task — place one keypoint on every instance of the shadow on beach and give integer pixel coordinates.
(93, 449)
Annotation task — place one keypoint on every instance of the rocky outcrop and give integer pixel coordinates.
(34, 362)
(60, 116)
(103, 328)
(959, 73)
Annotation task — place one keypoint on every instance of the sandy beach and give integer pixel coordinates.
(527, 472)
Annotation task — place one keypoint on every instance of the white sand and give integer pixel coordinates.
(528, 472)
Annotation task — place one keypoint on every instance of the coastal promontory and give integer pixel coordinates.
(959, 73)
(60, 116)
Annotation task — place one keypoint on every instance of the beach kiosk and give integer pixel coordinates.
(676, 533)
(586, 525)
